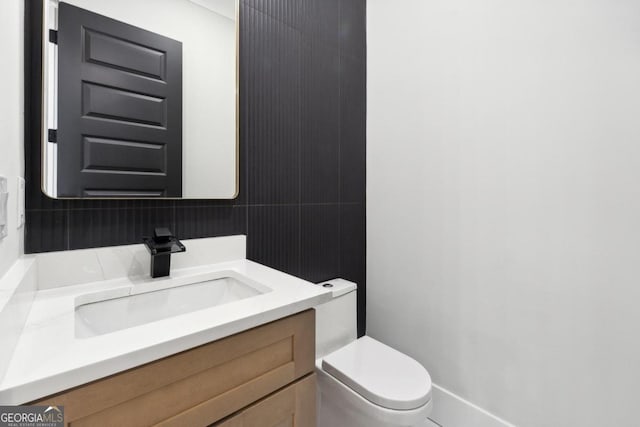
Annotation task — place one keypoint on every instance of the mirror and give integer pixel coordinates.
(140, 99)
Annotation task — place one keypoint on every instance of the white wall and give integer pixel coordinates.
(11, 120)
(504, 201)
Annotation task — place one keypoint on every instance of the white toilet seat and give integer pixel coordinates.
(369, 410)
(380, 374)
(382, 385)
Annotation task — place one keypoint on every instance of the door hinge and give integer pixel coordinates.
(53, 36)
(53, 136)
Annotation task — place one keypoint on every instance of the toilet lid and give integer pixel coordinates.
(380, 374)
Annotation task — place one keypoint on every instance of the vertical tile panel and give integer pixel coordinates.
(320, 242)
(274, 237)
(353, 130)
(272, 55)
(323, 25)
(353, 34)
(90, 228)
(320, 144)
(46, 231)
(210, 221)
(293, 13)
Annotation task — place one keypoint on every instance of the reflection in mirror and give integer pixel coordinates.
(140, 99)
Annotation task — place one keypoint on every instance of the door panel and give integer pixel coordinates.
(110, 51)
(102, 102)
(120, 121)
(120, 155)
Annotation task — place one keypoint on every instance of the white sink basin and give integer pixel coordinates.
(115, 312)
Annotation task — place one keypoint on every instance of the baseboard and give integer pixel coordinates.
(450, 410)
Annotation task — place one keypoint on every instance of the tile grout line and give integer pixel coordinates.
(340, 71)
(239, 205)
(300, 124)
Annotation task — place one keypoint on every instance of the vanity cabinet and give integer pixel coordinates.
(292, 406)
(260, 377)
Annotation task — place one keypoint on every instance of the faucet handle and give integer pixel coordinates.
(162, 235)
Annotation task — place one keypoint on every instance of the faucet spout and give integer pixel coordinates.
(161, 246)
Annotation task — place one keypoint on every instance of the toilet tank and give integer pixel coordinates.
(336, 321)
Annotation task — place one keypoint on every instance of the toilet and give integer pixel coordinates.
(363, 382)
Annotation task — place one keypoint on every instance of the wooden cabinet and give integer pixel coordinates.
(292, 406)
(250, 376)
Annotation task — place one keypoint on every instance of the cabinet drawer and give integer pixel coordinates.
(293, 406)
(203, 385)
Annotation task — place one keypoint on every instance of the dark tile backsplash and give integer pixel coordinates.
(302, 152)
(319, 241)
(273, 236)
(320, 150)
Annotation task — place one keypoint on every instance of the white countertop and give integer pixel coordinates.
(49, 358)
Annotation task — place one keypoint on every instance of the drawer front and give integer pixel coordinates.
(203, 385)
(294, 406)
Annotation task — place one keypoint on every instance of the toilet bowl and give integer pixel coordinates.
(363, 382)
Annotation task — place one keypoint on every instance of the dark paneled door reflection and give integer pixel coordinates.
(119, 109)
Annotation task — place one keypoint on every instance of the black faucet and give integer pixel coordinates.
(161, 246)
